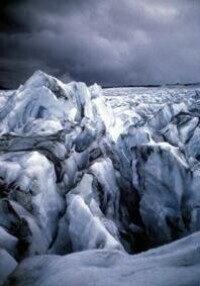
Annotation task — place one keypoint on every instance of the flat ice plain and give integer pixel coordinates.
(99, 187)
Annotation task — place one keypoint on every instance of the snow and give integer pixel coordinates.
(7, 265)
(7, 241)
(89, 177)
(175, 264)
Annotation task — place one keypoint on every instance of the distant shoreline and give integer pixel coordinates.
(154, 85)
(136, 86)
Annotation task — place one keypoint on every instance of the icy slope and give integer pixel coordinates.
(176, 265)
(108, 173)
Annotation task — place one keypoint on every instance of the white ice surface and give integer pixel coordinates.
(94, 174)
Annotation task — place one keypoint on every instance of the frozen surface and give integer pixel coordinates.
(89, 178)
(177, 264)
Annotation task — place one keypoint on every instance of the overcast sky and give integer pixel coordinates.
(111, 42)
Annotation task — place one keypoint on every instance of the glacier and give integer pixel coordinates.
(99, 186)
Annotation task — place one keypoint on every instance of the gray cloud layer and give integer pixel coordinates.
(112, 42)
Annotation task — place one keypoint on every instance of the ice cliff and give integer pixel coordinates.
(86, 185)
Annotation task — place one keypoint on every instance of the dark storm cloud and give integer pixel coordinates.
(109, 42)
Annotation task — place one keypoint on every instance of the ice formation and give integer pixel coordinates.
(90, 178)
